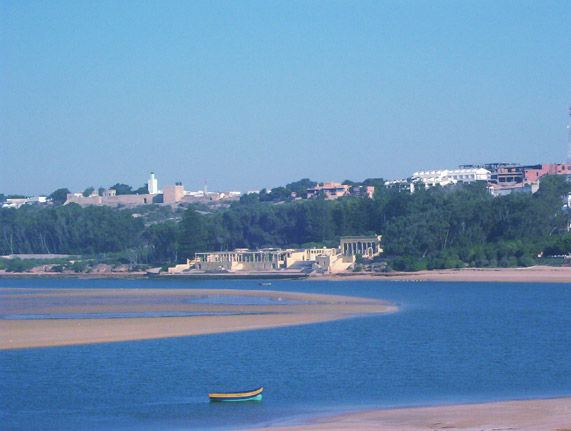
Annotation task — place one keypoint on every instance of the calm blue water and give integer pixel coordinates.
(449, 343)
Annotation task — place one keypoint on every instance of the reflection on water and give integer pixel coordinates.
(24, 305)
(244, 300)
(449, 343)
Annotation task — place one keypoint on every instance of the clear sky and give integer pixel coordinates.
(252, 94)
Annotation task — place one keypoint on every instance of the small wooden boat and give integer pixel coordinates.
(255, 395)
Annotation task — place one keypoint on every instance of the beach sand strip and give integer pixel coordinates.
(528, 415)
(533, 274)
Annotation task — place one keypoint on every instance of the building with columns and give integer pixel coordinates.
(241, 259)
(366, 246)
(271, 259)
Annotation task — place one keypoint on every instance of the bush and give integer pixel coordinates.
(16, 265)
(526, 260)
(78, 266)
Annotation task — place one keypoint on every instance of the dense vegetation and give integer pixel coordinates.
(433, 228)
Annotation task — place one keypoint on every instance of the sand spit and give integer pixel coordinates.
(35, 317)
(529, 415)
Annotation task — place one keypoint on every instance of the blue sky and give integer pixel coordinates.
(252, 94)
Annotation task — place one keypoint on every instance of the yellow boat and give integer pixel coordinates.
(255, 395)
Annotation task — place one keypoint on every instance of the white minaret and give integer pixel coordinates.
(152, 185)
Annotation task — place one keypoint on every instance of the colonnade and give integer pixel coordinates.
(241, 256)
(364, 247)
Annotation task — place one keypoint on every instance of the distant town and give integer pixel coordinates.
(500, 179)
(478, 215)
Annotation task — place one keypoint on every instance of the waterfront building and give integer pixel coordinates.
(241, 259)
(274, 259)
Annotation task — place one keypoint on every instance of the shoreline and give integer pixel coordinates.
(542, 414)
(533, 274)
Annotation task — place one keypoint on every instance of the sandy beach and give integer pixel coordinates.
(533, 274)
(57, 317)
(528, 415)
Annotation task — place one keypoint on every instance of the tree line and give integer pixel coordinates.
(432, 228)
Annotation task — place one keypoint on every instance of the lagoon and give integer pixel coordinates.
(449, 343)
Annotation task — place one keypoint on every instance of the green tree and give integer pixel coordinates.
(122, 189)
(143, 190)
(88, 191)
(300, 187)
(192, 236)
(162, 240)
(59, 196)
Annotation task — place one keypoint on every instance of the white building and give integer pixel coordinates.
(445, 177)
(18, 202)
(153, 184)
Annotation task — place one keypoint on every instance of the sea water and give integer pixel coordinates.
(449, 343)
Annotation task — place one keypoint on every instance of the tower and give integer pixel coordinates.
(152, 184)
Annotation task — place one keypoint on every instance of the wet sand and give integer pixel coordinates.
(529, 415)
(34, 317)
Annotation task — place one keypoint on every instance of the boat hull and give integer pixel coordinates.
(255, 395)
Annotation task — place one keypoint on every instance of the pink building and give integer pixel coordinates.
(328, 190)
(533, 173)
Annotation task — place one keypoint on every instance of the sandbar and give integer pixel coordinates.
(529, 415)
(57, 317)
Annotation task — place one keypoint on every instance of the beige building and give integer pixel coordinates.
(173, 194)
(262, 260)
(241, 259)
(109, 198)
(311, 259)
(302, 260)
